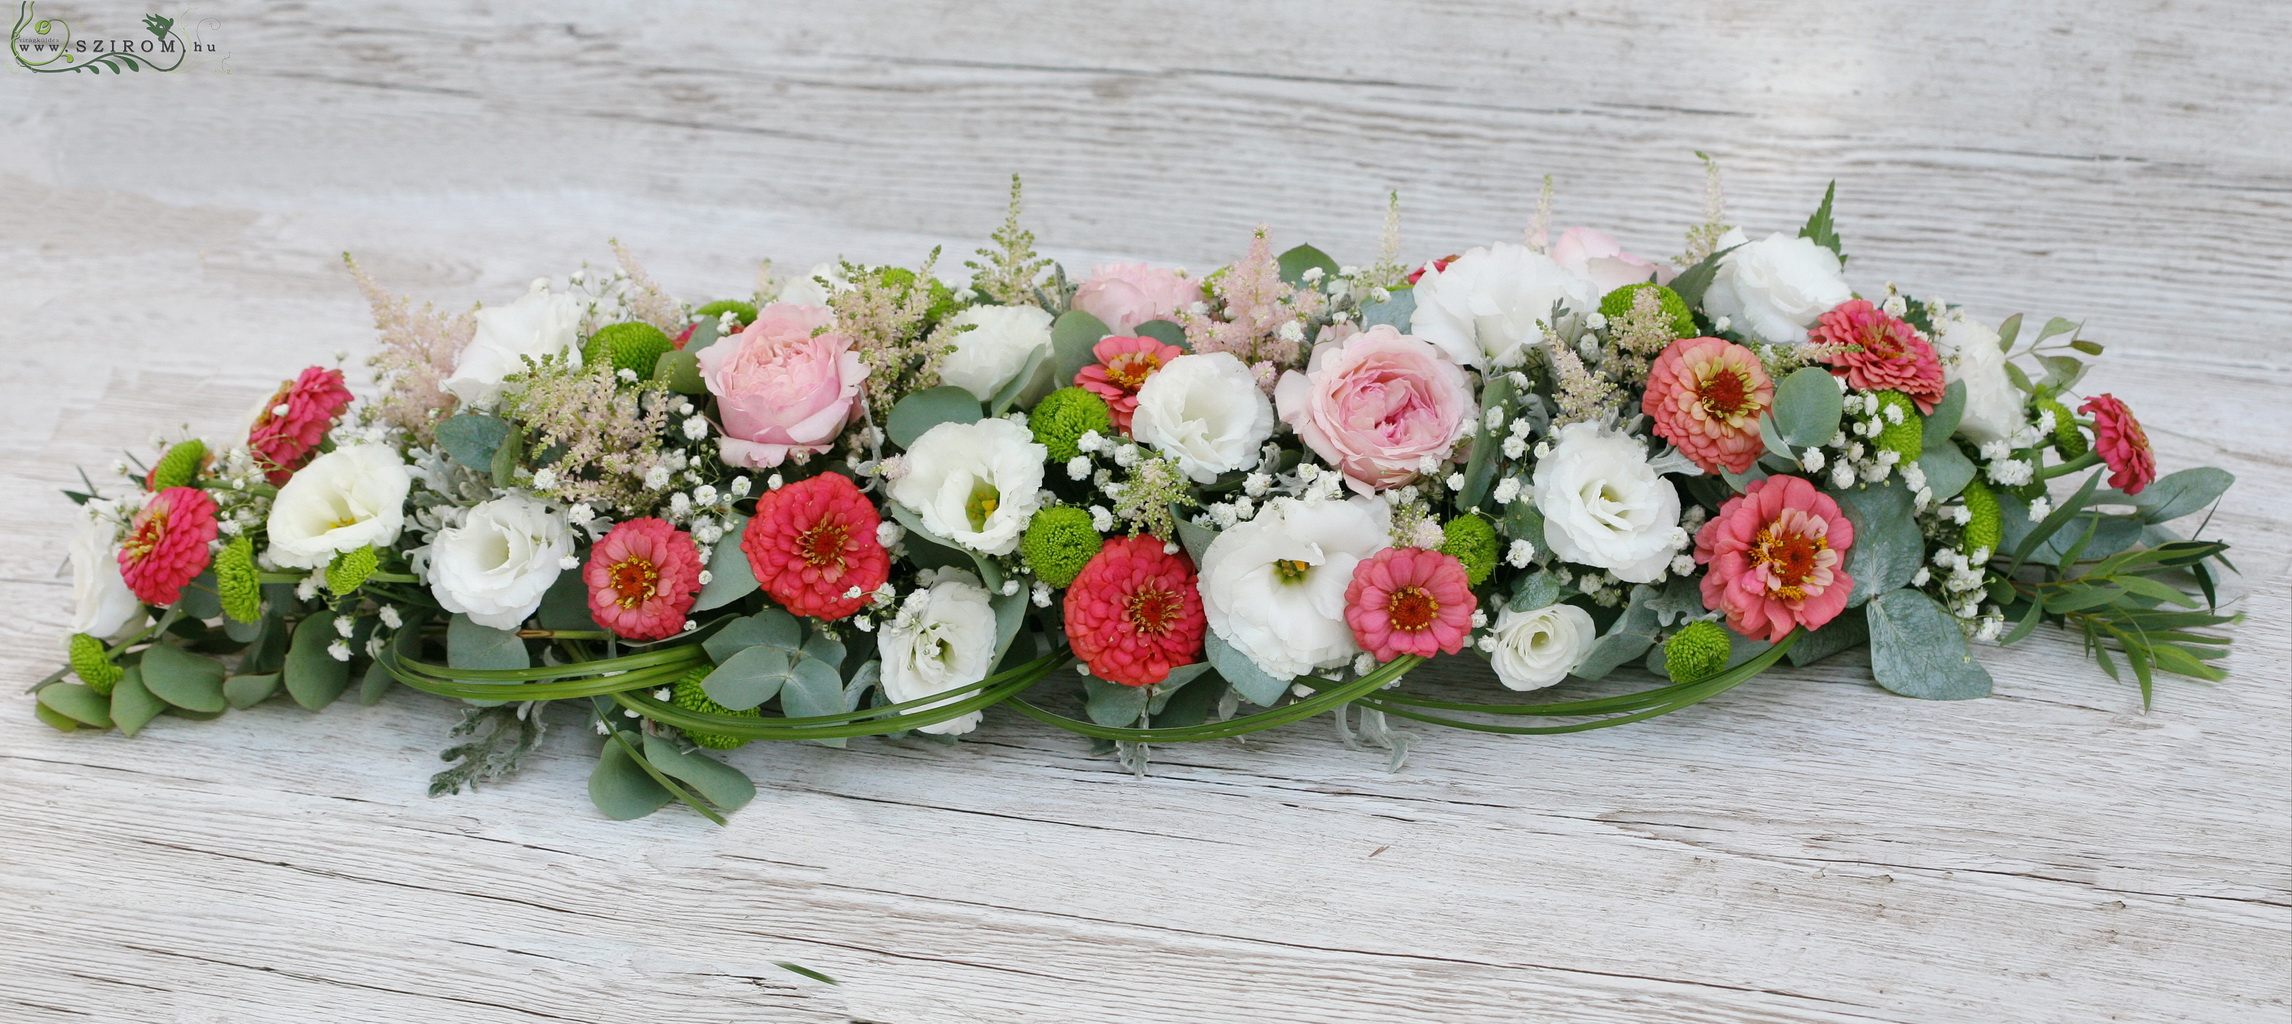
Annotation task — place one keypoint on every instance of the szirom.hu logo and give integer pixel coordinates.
(48, 46)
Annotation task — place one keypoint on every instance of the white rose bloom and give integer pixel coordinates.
(102, 603)
(540, 323)
(1484, 309)
(996, 348)
(976, 484)
(346, 499)
(1603, 504)
(1994, 407)
(942, 638)
(1207, 412)
(806, 290)
(496, 565)
(1274, 587)
(1535, 649)
(1773, 288)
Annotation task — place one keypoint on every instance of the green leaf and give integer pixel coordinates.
(2062, 372)
(1160, 330)
(1113, 704)
(1818, 227)
(55, 719)
(1888, 547)
(813, 688)
(201, 600)
(770, 628)
(1917, 650)
(1186, 698)
(1629, 637)
(375, 684)
(916, 414)
(2053, 523)
(77, 702)
(2008, 331)
(751, 677)
(622, 789)
(472, 438)
(505, 458)
(2020, 379)
(704, 334)
(132, 704)
(1395, 312)
(1029, 384)
(679, 371)
(2057, 325)
(716, 782)
(989, 573)
(1010, 614)
(1073, 335)
(2077, 597)
(1943, 421)
(1844, 633)
(2174, 495)
(314, 679)
(1195, 537)
(1772, 440)
(1253, 683)
(468, 645)
(183, 679)
(1947, 469)
(1538, 589)
(1807, 407)
(566, 604)
(730, 576)
(2102, 536)
(1297, 261)
(1480, 467)
(247, 691)
(1691, 283)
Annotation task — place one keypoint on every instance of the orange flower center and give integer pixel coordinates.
(1130, 369)
(1413, 609)
(1725, 394)
(1153, 611)
(149, 528)
(634, 579)
(2133, 434)
(1790, 557)
(264, 418)
(1880, 342)
(823, 544)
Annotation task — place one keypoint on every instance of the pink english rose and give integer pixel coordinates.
(1377, 404)
(782, 385)
(1124, 295)
(1775, 554)
(1592, 254)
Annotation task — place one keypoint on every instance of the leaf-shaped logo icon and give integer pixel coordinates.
(158, 25)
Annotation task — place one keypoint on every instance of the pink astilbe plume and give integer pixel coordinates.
(1256, 305)
(644, 298)
(418, 351)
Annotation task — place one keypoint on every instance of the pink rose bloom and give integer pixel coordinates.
(780, 387)
(1377, 404)
(1774, 553)
(1409, 601)
(1592, 254)
(1124, 295)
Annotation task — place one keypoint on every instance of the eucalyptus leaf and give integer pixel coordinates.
(247, 691)
(1113, 704)
(505, 458)
(2174, 495)
(916, 414)
(1073, 336)
(1844, 633)
(1253, 683)
(78, 703)
(1536, 590)
(1917, 650)
(1164, 331)
(314, 679)
(1395, 312)
(751, 677)
(2110, 535)
(813, 688)
(826, 649)
(621, 789)
(183, 679)
(200, 598)
(1010, 614)
(1947, 469)
(1480, 466)
(1195, 537)
(471, 438)
(1188, 701)
(1808, 405)
(1943, 421)
(679, 371)
(374, 684)
(1629, 637)
(1772, 440)
(770, 628)
(468, 645)
(1027, 386)
(132, 704)
(716, 782)
(730, 576)
(1297, 261)
(704, 334)
(1888, 548)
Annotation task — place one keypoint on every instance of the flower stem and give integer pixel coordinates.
(2071, 466)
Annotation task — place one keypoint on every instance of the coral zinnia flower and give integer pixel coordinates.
(1705, 395)
(642, 578)
(285, 435)
(1124, 363)
(1135, 613)
(1409, 601)
(166, 544)
(1876, 352)
(1775, 553)
(812, 545)
(2124, 445)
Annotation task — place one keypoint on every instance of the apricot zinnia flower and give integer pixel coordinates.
(1135, 613)
(286, 433)
(1877, 352)
(166, 544)
(1124, 363)
(2123, 444)
(1409, 601)
(642, 578)
(812, 545)
(1775, 553)
(1705, 395)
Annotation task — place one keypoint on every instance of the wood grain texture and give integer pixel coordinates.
(1804, 849)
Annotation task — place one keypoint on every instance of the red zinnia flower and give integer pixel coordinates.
(2123, 444)
(166, 544)
(642, 578)
(1135, 613)
(1124, 363)
(812, 545)
(287, 432)
(1436, 265)
(1876, 352)
(1409, 601)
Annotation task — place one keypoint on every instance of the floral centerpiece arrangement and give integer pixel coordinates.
(1149, 507)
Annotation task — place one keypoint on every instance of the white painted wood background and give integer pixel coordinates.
(1803, 849)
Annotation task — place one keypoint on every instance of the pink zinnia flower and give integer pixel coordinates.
(812, 544)
(2124, 446)
(1135, 612)
(166, 544)
(1124, 363)
(285, 435)
(1876, 352)
(642, 578)
(1435, 266)
(1774, 553)
(1706, 395)
(1409, 601)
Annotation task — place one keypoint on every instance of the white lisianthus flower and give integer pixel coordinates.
(1604, 505)
(346, 499)
(1772, 289)
(1484, 309)
(975, 484)
(806, 290)
(1535, 649)
(102, 604)
(1994, 407)
(540, 323)
(996, 349)
(498, 563)
(1274, 587)
(1205, 411)
(942, 638)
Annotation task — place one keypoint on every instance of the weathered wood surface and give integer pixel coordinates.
(1805, 849)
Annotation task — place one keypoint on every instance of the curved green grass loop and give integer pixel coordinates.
(1639, 707)
(1324, 700)
(876, 721)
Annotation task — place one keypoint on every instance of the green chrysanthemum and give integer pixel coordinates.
(1984, 530)
(1058, 543)
(92, 665)
(1697, 652)
(349, 570)
(1471, 540)
(746, 310)
(688, 695)
(235, 581)
(1618, 302)
(2067, 439)
(630, 346)
(1907, 438)
(1065, 415)
(180, 466)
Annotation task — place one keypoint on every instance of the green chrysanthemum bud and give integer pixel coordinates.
(1984, 530)
(2067, 439)
(1471, 540)
(92, 665)
(630, 346)
(688, 695)
(1619, 302)
(349, 570)
(235, 581)
(1059, 541)
(1907, 438)
(1063, 416)
(746, 310)
(1697, 652)
(180, 466)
